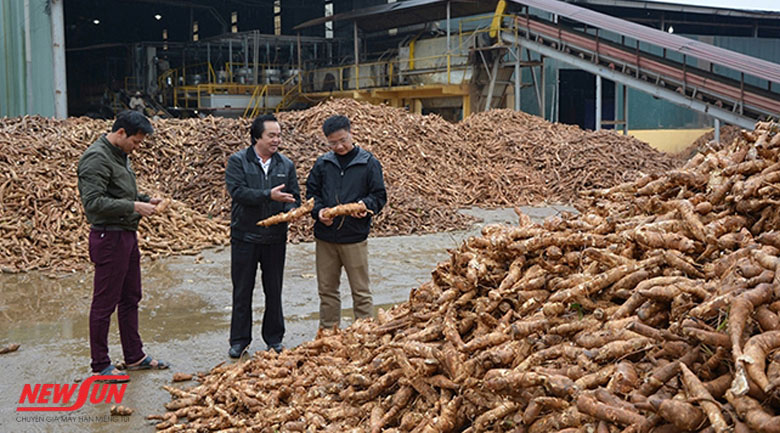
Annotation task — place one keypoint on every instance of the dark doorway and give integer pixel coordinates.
(578, 99)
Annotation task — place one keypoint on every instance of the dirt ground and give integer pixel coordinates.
(184, 319)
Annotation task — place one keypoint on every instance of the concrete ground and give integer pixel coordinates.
(184, 318)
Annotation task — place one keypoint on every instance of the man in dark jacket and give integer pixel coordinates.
(262, 182)
(346, 174)
(113, 207)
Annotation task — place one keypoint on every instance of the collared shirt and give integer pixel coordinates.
(265, 164)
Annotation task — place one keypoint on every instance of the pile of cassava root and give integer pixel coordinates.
(431, 167)
(655, 310)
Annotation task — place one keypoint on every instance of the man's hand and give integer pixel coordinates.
(326, 221)
(361, 214)
(143, 208)
(155, 200)
(278, 195)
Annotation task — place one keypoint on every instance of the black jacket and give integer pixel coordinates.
(250, 189)
(330, 185)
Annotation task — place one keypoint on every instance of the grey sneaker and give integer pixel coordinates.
(276, 347)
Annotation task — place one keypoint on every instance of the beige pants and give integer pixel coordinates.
(330, 258)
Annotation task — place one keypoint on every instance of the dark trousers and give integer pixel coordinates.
(244, 257)
(117, 286)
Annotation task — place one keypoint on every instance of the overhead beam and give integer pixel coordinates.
(614, 75)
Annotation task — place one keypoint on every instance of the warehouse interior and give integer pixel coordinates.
(243, 57)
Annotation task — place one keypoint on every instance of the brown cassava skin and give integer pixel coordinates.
(709, 368)
(555, 421)
(162, 206)
(755, 352)
(625, 378)
(708, 337)
(753, 414)
(345, 209)
(538, 404)
(718, 386)
(684, 415)
(741, 308)
(696, 390)
(588, 404)
(290, 216)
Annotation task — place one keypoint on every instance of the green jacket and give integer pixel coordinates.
(107, 186)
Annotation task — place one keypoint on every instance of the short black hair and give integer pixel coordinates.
(132, 122)
(334, 123)
(258, 126)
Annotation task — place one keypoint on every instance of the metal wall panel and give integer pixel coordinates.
(25, 88)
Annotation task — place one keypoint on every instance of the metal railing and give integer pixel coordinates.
(254, 106)
(291, 89)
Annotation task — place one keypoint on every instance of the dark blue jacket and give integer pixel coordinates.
(330, 186)
(250, 189)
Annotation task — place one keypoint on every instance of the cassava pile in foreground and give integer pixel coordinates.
(655, 310)
(431, 167)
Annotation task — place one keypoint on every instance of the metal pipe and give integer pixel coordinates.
(598, 102)
(300, 60)
(717, 130)
(492, 85)
(518, 77)
(255, 55)
(357, 54)
(448, 27)
(245, 46)
(557, 92)
(539, 103)
(58, 59)
(616, 108)
(28, 57)
(625, 109)
(544, 90)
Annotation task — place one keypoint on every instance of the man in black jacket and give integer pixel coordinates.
(262, 182)
(346, 174)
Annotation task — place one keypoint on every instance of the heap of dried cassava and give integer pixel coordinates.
(42, 224)
(655, 310)
(431, 167)
(705, 142)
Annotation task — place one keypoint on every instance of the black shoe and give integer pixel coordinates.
(237, 350)
(276, 347)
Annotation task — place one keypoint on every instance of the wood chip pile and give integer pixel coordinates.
(432, 168)
(656, 309)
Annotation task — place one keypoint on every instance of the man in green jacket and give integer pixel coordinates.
(114, 207)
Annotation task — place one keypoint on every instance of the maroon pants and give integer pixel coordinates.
(117, 286)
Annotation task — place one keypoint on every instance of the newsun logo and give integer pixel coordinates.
(55, 393)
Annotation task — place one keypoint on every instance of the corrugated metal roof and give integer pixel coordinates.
(405, 13)
(700, 50)
(679, 7)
